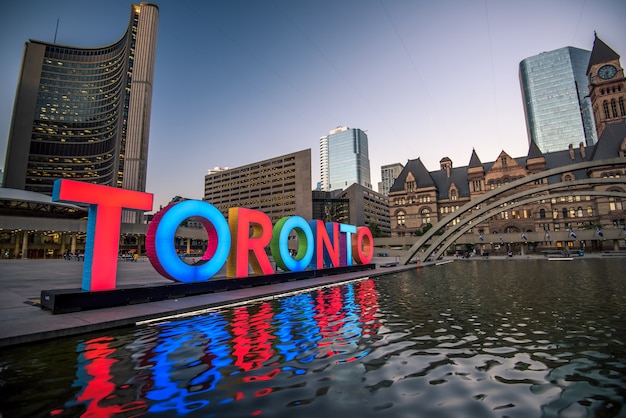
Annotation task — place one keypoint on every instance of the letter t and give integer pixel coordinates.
(103, 226)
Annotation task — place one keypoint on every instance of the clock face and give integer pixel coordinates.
(607, 71)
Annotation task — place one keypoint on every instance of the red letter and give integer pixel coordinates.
(326, 243)
(103, 225)
(244, 248)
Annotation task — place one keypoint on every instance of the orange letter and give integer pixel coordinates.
(246, 249)
(363, 245)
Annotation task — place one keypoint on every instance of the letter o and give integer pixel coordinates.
(160, 236)
(363, 245)
(279, 244)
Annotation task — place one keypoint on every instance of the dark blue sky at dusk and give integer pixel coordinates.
(242, 81)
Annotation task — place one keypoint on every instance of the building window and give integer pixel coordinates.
(579, 212)
(503, 160)
(453, 195)
(572, 213)
(410, 186)
(425, 215)
(615, 203)
(605, 106)
(614, 108)
(555, 213)
(589, 211)
(477, 185)
(401, 218)
(564, 213)
(542, 213)
(621, 106)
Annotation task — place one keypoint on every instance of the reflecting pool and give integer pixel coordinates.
(476, 338)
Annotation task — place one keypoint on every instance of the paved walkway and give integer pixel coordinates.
(23, 321)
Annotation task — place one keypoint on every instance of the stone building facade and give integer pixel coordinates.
(419, 198)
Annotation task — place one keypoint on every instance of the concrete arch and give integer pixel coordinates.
(513, 227)
(513, 185)
(488, 212)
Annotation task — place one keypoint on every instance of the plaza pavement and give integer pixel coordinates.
(22, 320)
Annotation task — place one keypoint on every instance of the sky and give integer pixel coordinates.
(242, 81)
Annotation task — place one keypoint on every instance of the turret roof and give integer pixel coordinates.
(600, 53)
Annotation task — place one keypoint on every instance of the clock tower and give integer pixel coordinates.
(607, 86)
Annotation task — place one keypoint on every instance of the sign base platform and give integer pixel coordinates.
(60, 301)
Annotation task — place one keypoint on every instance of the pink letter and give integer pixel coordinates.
(103, 226)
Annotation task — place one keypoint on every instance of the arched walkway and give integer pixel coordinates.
(470, 207)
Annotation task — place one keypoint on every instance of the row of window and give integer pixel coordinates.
(610, 90)
(67, 54)
(398, 201)
(250, 185)
(615, 204)
(73, 149)
(568, 213)
(424, 215)
(613, 107)
(494, 184)
(556, 227)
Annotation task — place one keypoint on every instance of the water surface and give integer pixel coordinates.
(483, 338)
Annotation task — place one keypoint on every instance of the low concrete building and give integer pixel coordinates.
(278, 187)
(356, 205)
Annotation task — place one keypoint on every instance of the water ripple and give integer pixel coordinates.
(474, 339)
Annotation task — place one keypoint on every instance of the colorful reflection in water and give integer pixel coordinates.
(400, 345)
(205, 363)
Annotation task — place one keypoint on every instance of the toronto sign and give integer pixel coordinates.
(240, 243)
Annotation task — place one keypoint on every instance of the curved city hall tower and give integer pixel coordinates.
(84, 113)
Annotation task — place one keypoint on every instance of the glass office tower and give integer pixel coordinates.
(556, 104)
(388, 174)
(84, 113)
(344, 159)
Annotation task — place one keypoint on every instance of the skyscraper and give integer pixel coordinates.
(84, 113)
(344, 159)
(555, 93)
(388, 174)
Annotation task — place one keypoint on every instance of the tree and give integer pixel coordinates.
(375, 229)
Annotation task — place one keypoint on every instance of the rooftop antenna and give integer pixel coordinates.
(55, 32)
